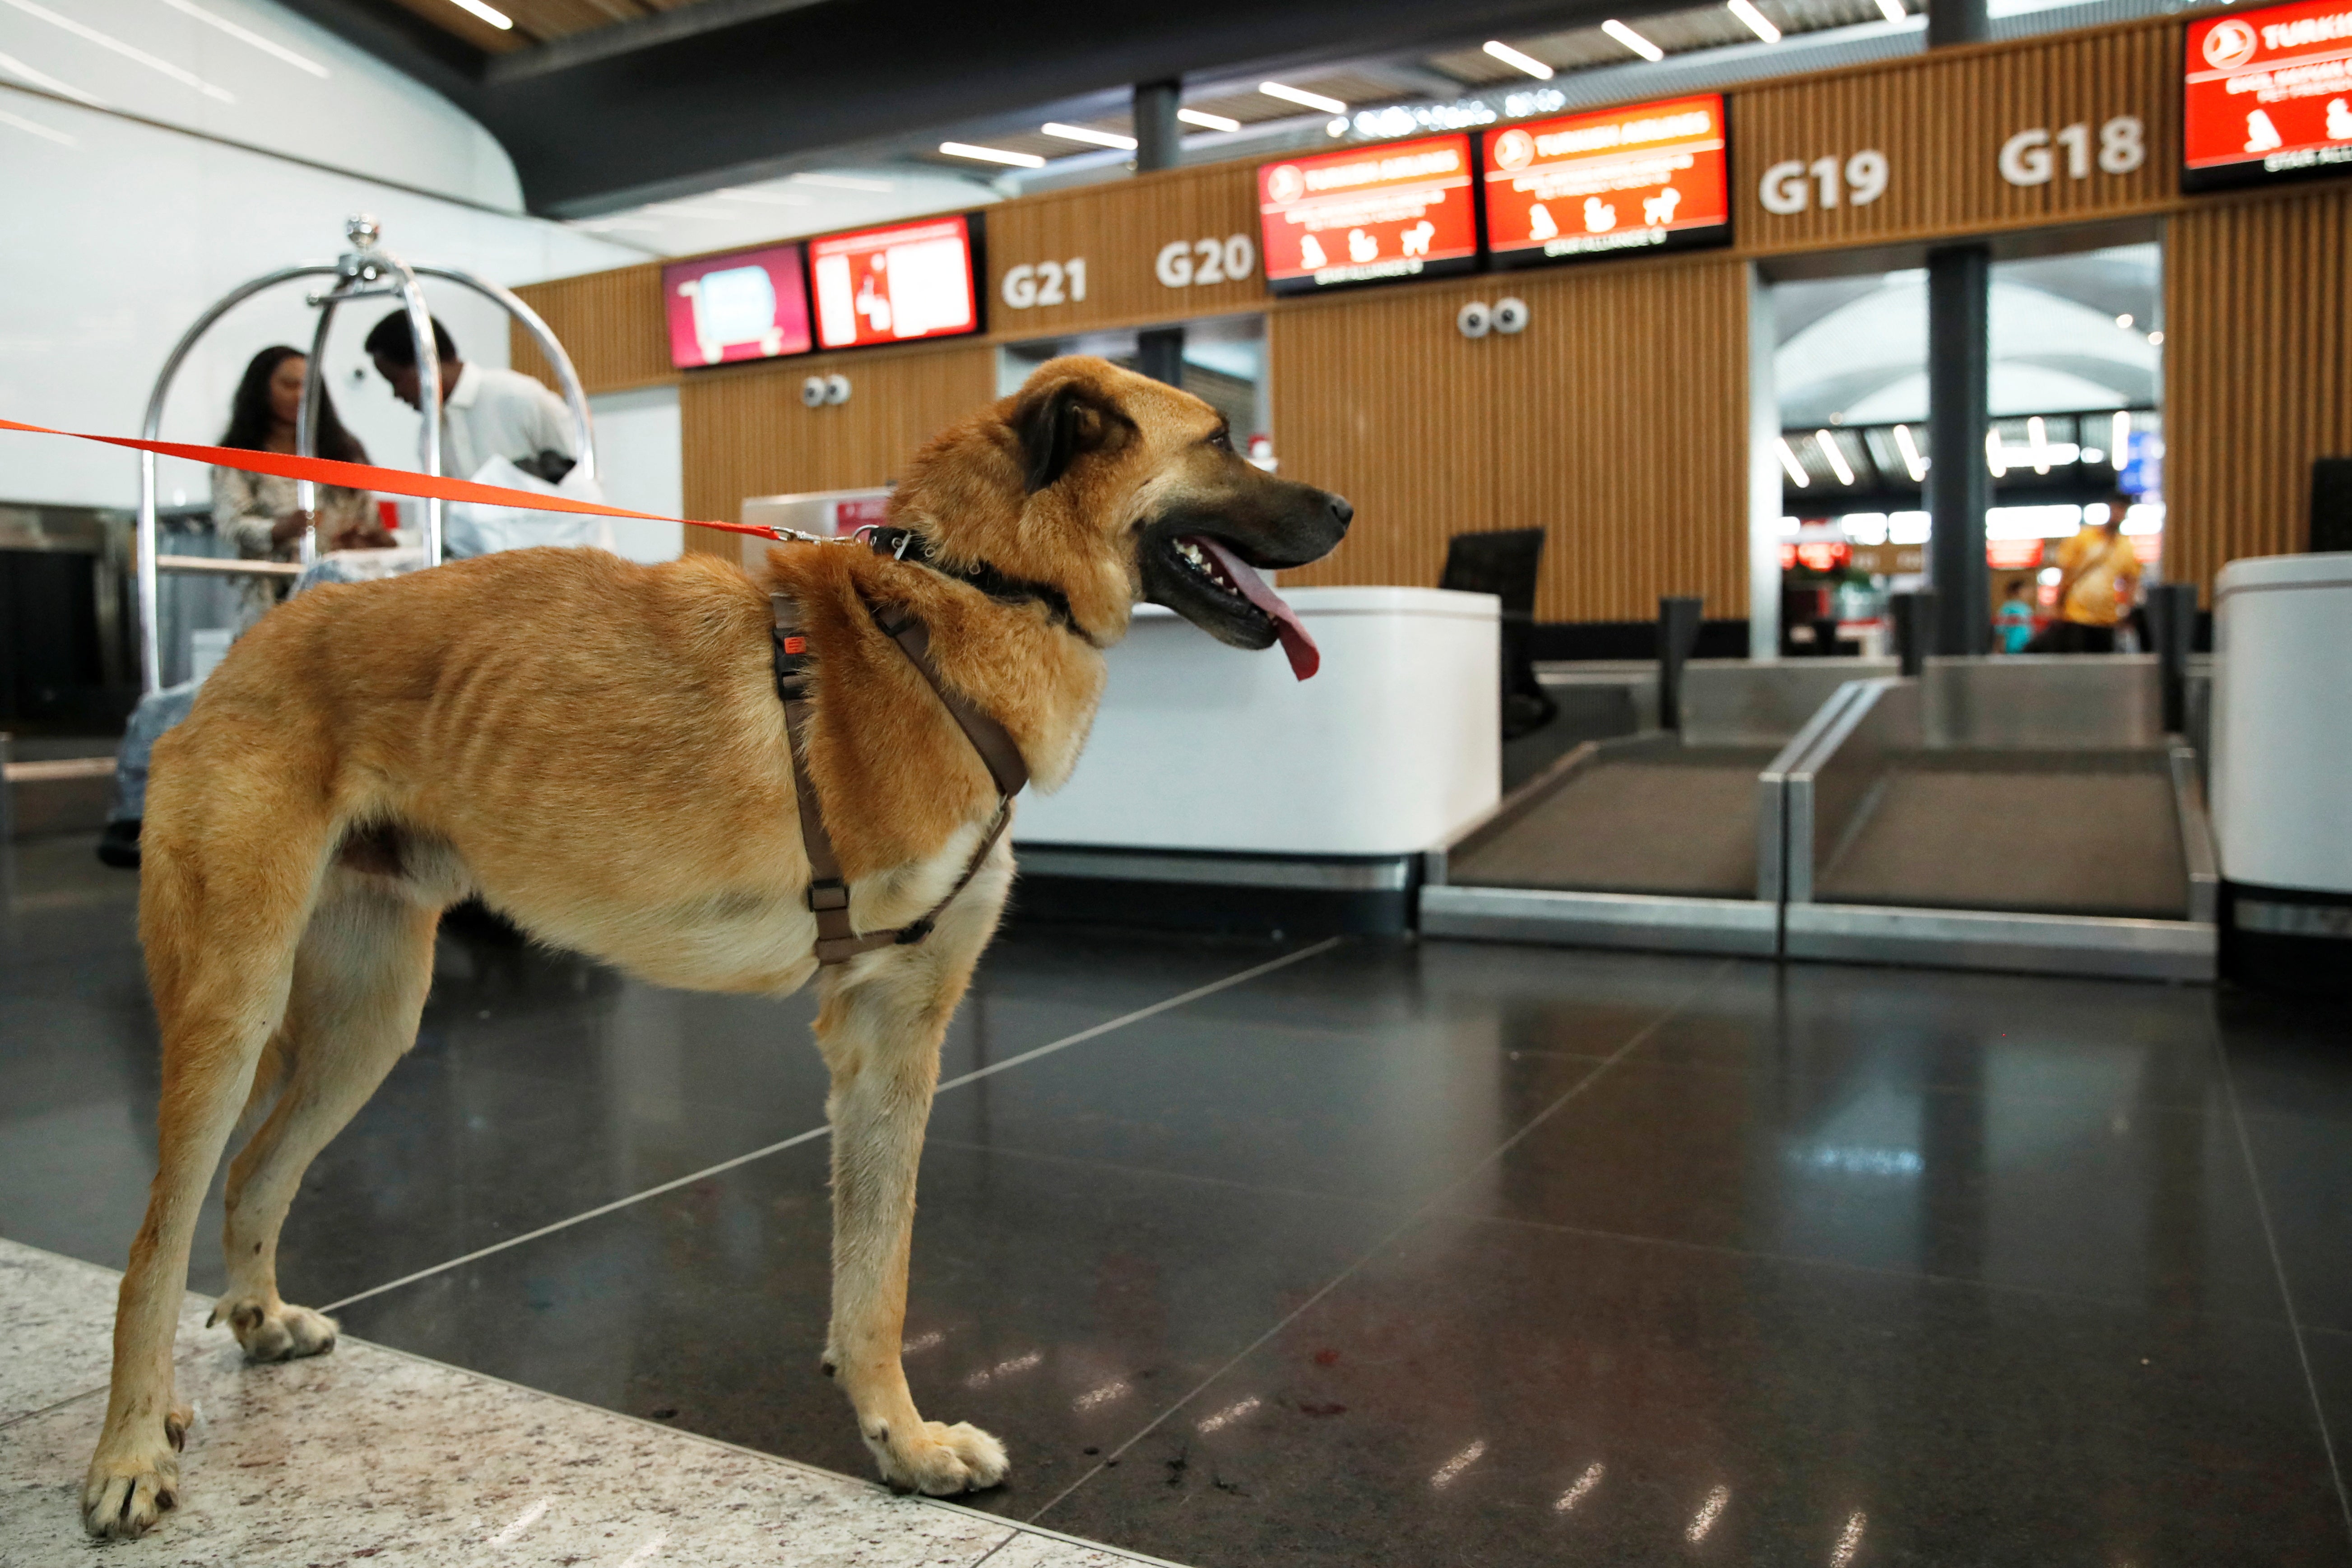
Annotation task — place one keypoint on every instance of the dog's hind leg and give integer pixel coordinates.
(219, 920)
(880, 1033)
(361, 973)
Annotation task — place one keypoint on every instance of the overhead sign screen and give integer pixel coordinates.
(1368, 214)
(2269, 92)
(1646, 177)
(895, 285)
(752, 304)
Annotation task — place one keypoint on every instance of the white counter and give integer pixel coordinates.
(1392, 745)
(2283, 722)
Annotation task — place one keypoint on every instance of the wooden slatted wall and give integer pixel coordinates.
(1617, 422)
(609, 322)
(2258, 374)
(746, 433)
(1120, 231)
(1940, 119)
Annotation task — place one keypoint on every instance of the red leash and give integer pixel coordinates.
(392, 482)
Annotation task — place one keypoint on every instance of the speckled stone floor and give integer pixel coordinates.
(372, 1453)
(1324, 1254)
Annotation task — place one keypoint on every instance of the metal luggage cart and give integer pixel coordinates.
(367, 270)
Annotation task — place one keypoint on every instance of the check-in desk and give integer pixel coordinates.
(2282, 753)
(1216, 783)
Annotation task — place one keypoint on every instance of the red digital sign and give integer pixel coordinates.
(750, 305)
(2269, 92)
(895, 285)
(1368, 214)
(1649, 176)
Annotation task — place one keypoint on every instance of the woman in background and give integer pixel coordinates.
(256, 512)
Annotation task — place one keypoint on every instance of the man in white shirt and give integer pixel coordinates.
(485, 413)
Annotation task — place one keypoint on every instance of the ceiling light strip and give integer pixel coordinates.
(108, 41)
(1527, 63)
(1893, 10)
(1206, 120)
(247, 35)
(491, 13)
(1757, 23)
(1299, 95)
(1081, 133)
(1632, 40)
(35, 128)
(49, 83)
(992, 155)
(1836, 460)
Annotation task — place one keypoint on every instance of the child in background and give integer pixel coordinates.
(2012, 624)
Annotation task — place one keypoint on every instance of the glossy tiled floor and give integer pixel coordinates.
(1365, 1253)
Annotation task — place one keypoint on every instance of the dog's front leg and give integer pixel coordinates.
(880, 1036)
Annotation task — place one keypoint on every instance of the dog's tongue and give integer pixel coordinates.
(1306, 659)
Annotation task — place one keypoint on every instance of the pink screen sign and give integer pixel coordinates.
(749, 305)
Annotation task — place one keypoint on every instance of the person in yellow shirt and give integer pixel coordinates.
(2098, 583)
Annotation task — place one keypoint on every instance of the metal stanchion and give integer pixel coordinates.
(1915, 628)
(1678, 620)
(2172, 626)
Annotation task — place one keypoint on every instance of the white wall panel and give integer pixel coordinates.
(637, 459)
(114, 235)
(361, 115)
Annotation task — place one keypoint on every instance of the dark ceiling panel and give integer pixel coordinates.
(618, 118)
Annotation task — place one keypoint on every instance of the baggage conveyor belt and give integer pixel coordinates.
(2069, 833)
(2017, 812)
(1665, 840)
(1639, 816)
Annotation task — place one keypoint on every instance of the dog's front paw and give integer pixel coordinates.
(277, 1331)
(939, 1460)
(125, 1494)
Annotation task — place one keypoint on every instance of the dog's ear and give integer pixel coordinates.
(1055, 424)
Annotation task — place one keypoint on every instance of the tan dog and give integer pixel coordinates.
(597, 749)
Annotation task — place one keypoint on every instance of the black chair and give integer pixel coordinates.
(1504, 565)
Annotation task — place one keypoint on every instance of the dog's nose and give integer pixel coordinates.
(1341, 512)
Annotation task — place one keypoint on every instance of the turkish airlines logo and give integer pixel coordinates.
(1285, 184)
(2230, 45)
(1514, 149)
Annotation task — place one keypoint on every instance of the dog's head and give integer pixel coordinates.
(1112, 489)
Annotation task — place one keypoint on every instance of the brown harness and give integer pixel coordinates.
(838, 941)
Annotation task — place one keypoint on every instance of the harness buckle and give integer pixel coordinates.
(830, 894)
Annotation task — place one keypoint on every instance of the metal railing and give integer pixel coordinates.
(366, 270)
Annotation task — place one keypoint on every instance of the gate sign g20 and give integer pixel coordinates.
(1197, 263)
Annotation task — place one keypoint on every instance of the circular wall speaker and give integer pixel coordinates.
(1511, 314)
(836, 389)
(813, 391)
(1473, 320)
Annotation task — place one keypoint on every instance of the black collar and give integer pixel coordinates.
(905, 544)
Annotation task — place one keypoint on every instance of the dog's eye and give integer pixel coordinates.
(1223, 440)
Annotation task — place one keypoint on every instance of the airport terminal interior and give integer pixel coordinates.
(1544, 784)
